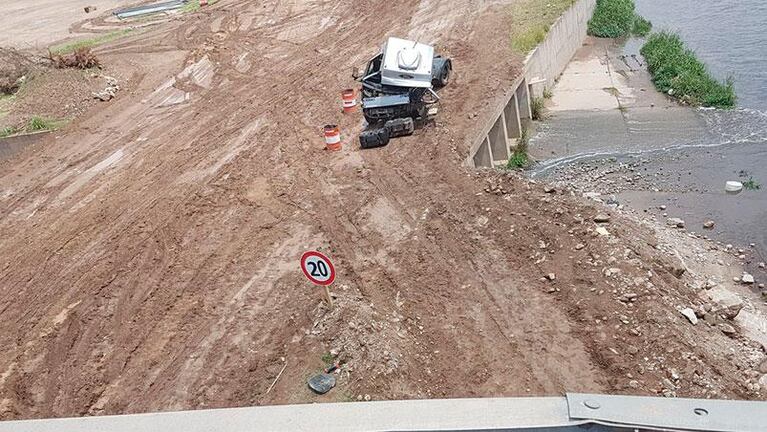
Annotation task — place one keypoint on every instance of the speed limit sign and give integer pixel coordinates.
(318, 268)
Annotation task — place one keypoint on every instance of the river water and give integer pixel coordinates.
(687, 154)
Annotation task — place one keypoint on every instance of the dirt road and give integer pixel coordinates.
(149, 252)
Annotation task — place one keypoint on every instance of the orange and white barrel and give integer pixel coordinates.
(350, 100)
(332, 137)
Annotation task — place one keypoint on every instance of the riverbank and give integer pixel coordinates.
(609, 135)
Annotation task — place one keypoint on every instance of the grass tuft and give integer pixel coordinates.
(519, 158)
(37, 123)
(537, 108)
(678, 72)
(7, 131)
(751, 184)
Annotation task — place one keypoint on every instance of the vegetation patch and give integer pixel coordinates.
(519, 158)
(751, 184)
(7, 131)
(617, 18)
(677, 72)
(70, 47)
(532, 20)
(537, 108)
(37, 123)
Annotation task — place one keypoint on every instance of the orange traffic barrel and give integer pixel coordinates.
(349, 99)
(332, 137)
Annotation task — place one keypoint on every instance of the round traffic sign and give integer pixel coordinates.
(318, 268)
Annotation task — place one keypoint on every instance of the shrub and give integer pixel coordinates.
(678, 72)
(612, 18)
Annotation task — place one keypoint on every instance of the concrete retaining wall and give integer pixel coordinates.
(492, 146)
(546, 62)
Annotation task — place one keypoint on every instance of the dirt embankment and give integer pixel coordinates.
(149, 257)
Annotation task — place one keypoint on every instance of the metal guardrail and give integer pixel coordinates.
(575, 412)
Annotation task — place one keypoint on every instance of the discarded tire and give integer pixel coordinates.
(374, 138)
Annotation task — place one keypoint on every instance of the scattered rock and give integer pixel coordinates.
(728, 305)
(747, 278)
(580, 246)
(602, 231)
(549, 189)
(709, 284)
(690, 315)
(601, 218)
(727, 329)
(662, 207)
(551, 276)
(634, 384)
(675, 222)
(733, 187)
(709, 224)
(322, 383)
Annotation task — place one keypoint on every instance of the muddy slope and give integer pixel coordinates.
(149, 254)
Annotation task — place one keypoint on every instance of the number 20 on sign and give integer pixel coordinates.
(319, 270)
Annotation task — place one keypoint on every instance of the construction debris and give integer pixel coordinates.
(109, 92)
(149, 9)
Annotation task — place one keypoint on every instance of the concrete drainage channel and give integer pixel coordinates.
(494, 144)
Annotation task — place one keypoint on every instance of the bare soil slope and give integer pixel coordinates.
(149, 254)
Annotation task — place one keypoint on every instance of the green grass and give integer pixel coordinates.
(547, 94)
(532, 20)
(7, 131)
(519, 157)
(327, 358)
(69, 47)
(677, 71)
(751, 184)
(536, 108)
(616, 18)
(37, 123)
(642, 27)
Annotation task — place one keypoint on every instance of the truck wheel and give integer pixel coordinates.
(444, 77)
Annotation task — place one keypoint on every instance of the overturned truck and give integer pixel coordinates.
(398, 89)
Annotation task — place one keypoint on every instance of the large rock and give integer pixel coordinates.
(726, 304)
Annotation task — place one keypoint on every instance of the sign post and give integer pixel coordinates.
(319, 270)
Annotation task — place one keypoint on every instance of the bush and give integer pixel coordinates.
(678, 72)
(612, 18)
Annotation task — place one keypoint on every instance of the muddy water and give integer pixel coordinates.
(687, 153)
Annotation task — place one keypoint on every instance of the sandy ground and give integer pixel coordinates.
(37, 24)
(150, 250)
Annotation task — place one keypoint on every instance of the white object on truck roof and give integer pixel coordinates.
(406, 63)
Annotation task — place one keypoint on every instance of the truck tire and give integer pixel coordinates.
(444, 77)
(374, 138)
